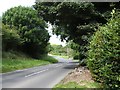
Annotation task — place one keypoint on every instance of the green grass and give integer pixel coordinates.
(69, 85)
(65, 57)
(49, 59)
(76, 85)
(17, 61)
(16, 64)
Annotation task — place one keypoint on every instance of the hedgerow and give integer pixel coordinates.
(104, 53)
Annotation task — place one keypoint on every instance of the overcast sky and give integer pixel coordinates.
(7, 4)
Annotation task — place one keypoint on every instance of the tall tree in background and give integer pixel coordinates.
(30, 27)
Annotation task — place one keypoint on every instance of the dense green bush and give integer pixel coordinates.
(104, 53)
(76, 57)
(31, 29)
(10, 38)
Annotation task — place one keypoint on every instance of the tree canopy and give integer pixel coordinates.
(30, 27)
(72, 20)
(75, 21)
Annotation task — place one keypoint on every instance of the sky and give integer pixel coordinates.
(54, 39)
(7, 4)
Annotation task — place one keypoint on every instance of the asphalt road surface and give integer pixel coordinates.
(46, 76)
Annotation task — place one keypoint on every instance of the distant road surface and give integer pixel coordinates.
(46, 76)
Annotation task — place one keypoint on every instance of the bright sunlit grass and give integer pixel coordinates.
(16, 61)
(17, 64)
(14, 64)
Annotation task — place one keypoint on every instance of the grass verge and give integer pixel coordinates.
(17, 64)
(76, 85)
(79, 78)
(49, 59)
(68, 85)
(65, 57)
(14, 62)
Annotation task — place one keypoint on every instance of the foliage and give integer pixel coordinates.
(104, 53)
(62, 51)
(78, 22)
(12, 54)
(71, 19)
(76, 57)
(75, 21)
(58, 50)
(10, 38)
(30, 28)
(75, 47)
(49, 58)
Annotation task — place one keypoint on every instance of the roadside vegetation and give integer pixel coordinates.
(76, 85)
(24, 31)
(78, 78)
(64, 51)
(24, 39)
(104, 53)
(93, 30)
(12, 61)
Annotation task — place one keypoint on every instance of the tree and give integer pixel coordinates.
(73, 49)
(30, 27)
(72, 21)
(58, 50)
(10, 38)
(68, 16)
(75, 21)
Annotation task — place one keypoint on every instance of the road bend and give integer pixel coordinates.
(46, 76)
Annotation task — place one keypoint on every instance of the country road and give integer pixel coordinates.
(38, 77)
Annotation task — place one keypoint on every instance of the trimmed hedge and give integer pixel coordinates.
(104, 53)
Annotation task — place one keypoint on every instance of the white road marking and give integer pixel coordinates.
(41, 71)
(36, 73)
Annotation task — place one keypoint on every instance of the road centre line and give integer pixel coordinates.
(36, 73)
(41, 71)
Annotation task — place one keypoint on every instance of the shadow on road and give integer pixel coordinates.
(74, 62)
(70, 67)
